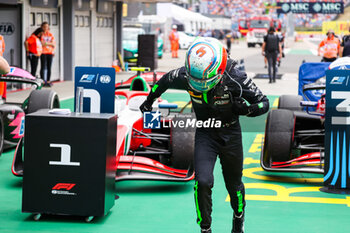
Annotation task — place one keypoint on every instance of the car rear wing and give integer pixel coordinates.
(12, 78)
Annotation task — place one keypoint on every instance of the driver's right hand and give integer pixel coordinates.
(146, 106)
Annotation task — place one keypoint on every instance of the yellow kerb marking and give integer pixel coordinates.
(181, 104)
(284, 195)
(275, 103)
(251, 173)
(256, 146)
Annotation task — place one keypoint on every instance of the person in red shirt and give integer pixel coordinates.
(34, 49)
(2, 45)
(4, 67)
(174, 42)
(330, 47)
(49, 45)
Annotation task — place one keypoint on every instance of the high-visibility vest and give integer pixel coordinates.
(330, 47)
(2, 45)
(47, 37)
(174, 36)
(34, 45)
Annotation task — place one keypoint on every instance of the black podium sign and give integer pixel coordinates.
(69, 163)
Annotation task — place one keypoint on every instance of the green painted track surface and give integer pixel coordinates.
(166, 207)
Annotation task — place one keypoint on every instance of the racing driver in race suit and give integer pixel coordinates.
(218, 91)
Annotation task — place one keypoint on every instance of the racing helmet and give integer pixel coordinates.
(205, 63)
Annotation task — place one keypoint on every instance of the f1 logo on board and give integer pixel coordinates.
(65, 186)
(151, 120)
(338, 80)
(63, 189)
(87, 78)
(65, 155)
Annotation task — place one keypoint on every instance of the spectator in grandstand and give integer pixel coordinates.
(271, 48)
(174, 42)
(345, 46)
(49, 44)
(329, 47)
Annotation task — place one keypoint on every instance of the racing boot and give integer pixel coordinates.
(206, 230)
(238, 223)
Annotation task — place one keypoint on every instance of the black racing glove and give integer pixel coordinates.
(240, 107)
(146, 106)
(253, 110)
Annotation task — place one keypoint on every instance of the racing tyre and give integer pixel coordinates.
(290, 102)
(42, 99)
(279, 135)
(182, 146)
(250, 45)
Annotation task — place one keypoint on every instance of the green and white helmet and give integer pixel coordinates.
(206, 61)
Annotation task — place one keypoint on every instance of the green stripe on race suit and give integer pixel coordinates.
(240, 201)
(197, 206)
(155, 88)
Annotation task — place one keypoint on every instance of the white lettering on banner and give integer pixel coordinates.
(343, 106)
(65, 155)
(299, 6)
(331, 6)
(95, 100)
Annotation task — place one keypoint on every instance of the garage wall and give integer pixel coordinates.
(104, 41)
(94, 31)
(82, 38)
(36, 16)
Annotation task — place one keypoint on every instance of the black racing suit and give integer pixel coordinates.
(221, 103)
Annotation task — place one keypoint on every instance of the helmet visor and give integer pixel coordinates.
(203, 85)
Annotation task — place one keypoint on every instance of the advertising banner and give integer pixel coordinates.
(310, 7)
(99, 87)
(339, 27)
(337, 127)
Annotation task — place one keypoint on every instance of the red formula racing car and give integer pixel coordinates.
(163, 153)
(295, 132)
(294, 139)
